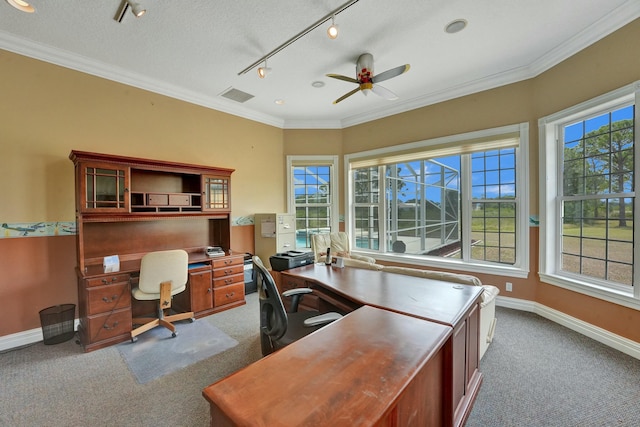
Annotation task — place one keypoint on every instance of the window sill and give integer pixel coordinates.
(453, 264)
(625, 299)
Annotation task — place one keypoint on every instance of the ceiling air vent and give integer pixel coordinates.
(236, 95)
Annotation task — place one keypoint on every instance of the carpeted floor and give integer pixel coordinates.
(59, 385)
(536, 374)
(540, 374)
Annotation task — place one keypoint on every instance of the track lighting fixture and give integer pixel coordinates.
(136, 9)
(263, 71)
(22, 6)
(332, 31)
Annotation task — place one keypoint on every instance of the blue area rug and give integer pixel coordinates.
(156, 353)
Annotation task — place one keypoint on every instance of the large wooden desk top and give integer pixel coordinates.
(438, 301)
(368, 368)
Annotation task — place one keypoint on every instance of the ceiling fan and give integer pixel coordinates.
(366, 81)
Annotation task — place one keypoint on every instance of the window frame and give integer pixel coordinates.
(448, 143)
(550, 138)
(316, 160)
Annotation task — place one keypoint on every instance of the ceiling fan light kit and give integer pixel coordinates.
(367, 81)
(22, 6)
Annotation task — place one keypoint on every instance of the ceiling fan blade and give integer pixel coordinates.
(346, 95)
(384, 92)
(345, 78)
(394, 72)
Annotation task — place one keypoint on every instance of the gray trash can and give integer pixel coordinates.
(57, 323)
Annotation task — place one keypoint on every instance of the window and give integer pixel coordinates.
(588, 201)
(457, 200)
(312, 195)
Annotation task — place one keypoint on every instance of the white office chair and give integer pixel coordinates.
(162, 275)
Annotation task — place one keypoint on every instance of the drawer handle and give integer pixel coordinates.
(107, 327)
(209, 290)
(227, 262)
(112, 299)
(227, 281)
(230, 295)
(113, 279)
(228, 272)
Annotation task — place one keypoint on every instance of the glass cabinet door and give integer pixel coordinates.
(215, 194)
(105, 188)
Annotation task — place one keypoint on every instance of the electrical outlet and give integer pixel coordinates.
(509, 287)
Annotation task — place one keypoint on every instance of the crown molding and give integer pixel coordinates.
(609, 23)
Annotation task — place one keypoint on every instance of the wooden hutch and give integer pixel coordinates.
(128, 207)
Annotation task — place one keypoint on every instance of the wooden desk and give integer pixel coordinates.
(371, 368)
(106, 306)
(446, 303)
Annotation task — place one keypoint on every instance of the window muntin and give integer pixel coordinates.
(312, 196)
(459, 207)
(587, 192)
(597, 197)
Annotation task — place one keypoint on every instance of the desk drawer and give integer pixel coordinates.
(102, 299)
(108, 280)
(228, 280)
(228, 261)
(108, 325)
(228, 271)
(228, 294)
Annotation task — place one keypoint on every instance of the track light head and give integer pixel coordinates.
(332, 31)
(22, 6)
(263, 71)
(137, 10)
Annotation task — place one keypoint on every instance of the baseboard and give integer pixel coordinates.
(21, 339)
(603, 336)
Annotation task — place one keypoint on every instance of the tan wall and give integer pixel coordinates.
(48, 110)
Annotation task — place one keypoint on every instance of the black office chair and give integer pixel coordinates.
(277, 327)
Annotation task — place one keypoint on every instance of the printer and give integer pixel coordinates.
(291, 259)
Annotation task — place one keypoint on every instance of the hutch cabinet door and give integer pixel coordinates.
(201, 290)
(215, 193)
(103, 188)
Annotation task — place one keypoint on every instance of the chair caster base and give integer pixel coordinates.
(174, 334)
(134, 339)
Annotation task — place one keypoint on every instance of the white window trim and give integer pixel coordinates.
(549, 218)
(315, 160)
(520, 270)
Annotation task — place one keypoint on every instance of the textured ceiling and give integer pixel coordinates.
(193, 50)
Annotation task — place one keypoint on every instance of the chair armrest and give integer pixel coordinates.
(296, 291)
(322, 319)
(296, 295)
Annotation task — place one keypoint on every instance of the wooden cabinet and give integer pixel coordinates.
(274, 233)
(228, 282)
(105, 310)
(102, 187)
(215, 287)
(215, 193)
(128, 207)
(198, 297)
